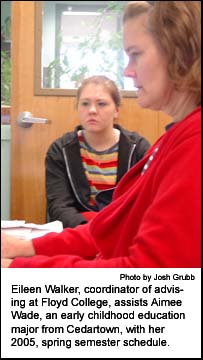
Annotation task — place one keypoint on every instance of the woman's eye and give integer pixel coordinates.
(84, 103)
(134, 55)
(102, 104)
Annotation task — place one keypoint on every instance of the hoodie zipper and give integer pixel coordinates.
(131, 154)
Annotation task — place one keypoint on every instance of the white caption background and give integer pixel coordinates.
(67, 314)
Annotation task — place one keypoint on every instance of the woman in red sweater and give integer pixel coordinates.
(154, 218)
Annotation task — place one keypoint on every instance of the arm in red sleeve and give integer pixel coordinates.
(70, 241)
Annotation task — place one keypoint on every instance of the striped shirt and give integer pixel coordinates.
(100, 167)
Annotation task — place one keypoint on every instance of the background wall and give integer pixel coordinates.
(5, 172)
(5, 140)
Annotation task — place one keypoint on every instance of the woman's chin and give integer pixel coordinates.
(146, 104)
(142, 103)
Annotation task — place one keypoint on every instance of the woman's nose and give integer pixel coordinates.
(92, 108)
(129, 72)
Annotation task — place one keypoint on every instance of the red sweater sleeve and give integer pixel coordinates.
(88, 215)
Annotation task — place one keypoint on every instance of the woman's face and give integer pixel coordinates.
(147, 65)
(96, 108)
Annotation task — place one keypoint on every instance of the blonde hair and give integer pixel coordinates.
(176, 26)
(108, 84)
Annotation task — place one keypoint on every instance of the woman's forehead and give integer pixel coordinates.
(95, 90)
(134, 29)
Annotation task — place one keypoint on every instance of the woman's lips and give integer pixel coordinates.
(138, 89)
(91, 121)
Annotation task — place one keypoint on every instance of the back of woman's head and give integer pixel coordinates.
(108, 84)
(176, 26)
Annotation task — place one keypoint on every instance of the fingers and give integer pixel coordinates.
(5, 262)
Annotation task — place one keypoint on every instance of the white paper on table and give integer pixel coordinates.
(29, 231)
(12, 223)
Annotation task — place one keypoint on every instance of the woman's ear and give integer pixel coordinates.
(116, 113)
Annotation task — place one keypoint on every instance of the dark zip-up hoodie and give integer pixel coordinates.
(67, 189)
